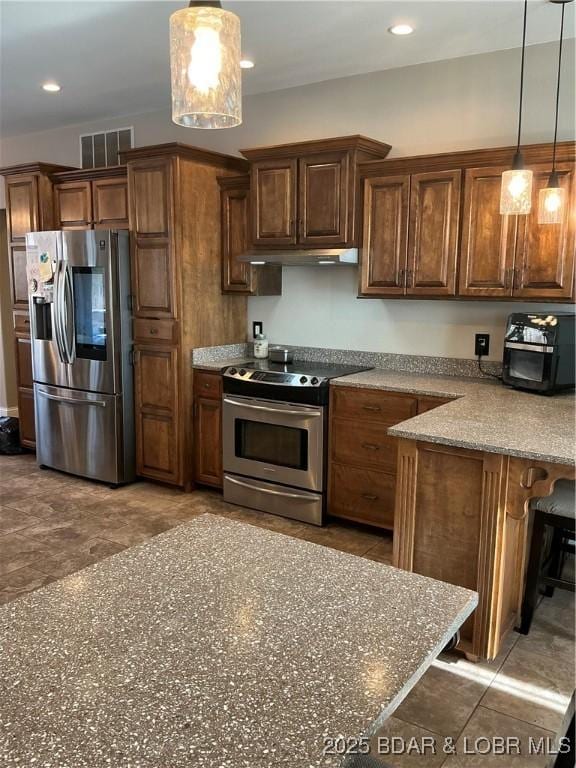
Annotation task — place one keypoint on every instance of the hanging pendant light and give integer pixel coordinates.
(516, 193)
(551, 199)
(205, 66)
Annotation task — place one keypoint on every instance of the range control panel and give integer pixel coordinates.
(273, 377)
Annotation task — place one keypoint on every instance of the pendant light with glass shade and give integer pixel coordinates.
(551, 200)
(516, 193)
(205, 66)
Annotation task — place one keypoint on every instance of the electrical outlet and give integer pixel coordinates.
(481, 344)
(257, 328)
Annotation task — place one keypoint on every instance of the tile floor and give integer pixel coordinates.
(52, 525)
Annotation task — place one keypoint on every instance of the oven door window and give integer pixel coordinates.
(272, 444)
(527, 366)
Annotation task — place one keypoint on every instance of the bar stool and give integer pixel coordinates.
(558, 512)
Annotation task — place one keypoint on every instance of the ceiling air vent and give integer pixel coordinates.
(100, 150)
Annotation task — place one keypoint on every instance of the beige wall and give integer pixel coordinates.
(8, 399)
(447, 105)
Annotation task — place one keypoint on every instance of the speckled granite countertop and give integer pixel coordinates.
(215, 644)
(484, 415)
(219, 365)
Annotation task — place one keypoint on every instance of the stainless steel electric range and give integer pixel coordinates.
(274, 427)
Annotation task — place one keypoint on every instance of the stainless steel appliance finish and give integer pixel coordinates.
(312, 257)
(278, 441)
(81, 335)
(275, 499)
(274, 428)
(539, 352)
(281, 355)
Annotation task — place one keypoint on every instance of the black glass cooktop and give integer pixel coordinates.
(320, 370)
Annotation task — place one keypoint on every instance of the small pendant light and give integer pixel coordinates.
(551, 200)
(516, 193)
(205, 66)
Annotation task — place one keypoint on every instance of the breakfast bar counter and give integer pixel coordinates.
(484, 415)
(215, 644)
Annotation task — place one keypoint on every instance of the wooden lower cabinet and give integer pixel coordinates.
(461, 517)
(362, 456)
(25, 379)
(158, 436)
(208, 428)
(26, 417)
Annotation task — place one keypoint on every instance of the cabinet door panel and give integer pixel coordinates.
(153, 279)
(19, 280)
(274, 197)
(26, 418)
(236, 277)
(21, 206)
(385, 235)
(208, 441)
(73, 200)
(150, 184)
(545, 252)
(323, 195)
(157, 376)
(487, 245)
(433, 235)
(110, 200)
(363, 444)
(157, 413)
(24, 363)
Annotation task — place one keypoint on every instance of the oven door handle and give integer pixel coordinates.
(281, 411)
(307, 497)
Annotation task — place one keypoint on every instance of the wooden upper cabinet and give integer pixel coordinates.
(150, 185)
(73, 202)
(323, 199)
(274, 209)
(153, 279)
(385, 236)
(433, 233)
(305, 194)
(18, 276)
(22, 206)
(237, 277)
(110, 203)
(544, 262)
(488, 238)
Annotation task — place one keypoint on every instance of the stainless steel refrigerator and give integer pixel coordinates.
(81, 334)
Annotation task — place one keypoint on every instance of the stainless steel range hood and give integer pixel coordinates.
(303, 258)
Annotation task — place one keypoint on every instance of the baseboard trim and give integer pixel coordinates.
(9, 411)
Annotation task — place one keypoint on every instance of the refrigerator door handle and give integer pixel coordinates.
(68, 314)
(71, 400)
(58, 311)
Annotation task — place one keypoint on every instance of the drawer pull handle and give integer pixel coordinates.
(153, 331)
(371, 446)
(26, 322)
(371, 407)
(369, 497)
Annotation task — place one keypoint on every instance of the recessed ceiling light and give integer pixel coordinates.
(401, 29)
(246, 64)
(51, 87)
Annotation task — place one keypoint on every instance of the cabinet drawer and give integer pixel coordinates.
(362, 495)
(154, 330)
(372, 405)
(22, 323)
(366, 445)
(207, 384)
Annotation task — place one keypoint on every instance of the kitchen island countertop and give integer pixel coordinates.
(483, 415)
(215, 644)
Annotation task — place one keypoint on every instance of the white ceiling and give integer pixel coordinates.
(112, 59)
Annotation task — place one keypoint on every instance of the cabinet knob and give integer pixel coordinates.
(153, 331)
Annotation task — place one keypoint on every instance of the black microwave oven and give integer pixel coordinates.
(539, 352)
